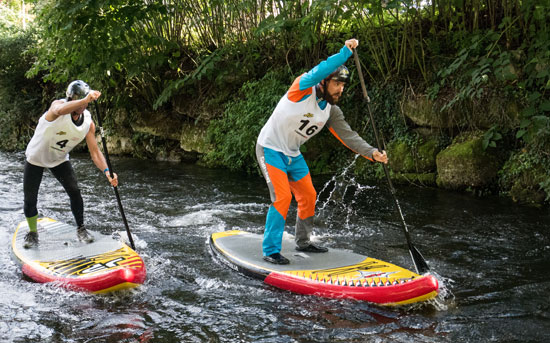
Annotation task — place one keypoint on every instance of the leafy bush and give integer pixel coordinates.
(21, 98)
(179, 58)
(8, 19)
(235, 133)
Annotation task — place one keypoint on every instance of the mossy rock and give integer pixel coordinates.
(464, 164)
(406, 159)
(193, 139)
(118, 145)
(527, 194)
(521, 177)
(177, 155)
(503, 113)
(158, 124)
(478, 113)
(423, 112)
(426, 154)
(401, 157)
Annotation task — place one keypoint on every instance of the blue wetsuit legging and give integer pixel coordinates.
(286, 176)
(64, 173)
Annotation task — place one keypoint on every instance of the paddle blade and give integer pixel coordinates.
(419, 262)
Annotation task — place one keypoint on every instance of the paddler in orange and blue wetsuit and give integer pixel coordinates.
(302, 112)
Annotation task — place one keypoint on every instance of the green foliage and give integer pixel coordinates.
(9, 18)
(392, 35)
(147, 54)
(225, 68)
(20, 98)
(469, 72)
(104, 43)
(387, 114)
(520, 72)
(301, 26)
(189, 58)
(490, 138)
(545, 186)
(206, 70)
(236, 132)
(526, 177)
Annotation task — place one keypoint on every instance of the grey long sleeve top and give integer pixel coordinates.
(338, 126)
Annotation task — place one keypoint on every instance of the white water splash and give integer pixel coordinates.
(339, 187)
(445, 298)
(122, 236)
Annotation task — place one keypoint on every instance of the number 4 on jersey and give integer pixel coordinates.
(62, 143)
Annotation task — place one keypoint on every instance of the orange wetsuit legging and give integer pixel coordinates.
(286, 176)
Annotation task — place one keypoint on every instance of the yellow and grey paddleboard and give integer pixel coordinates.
(105, 265)
(334, 274)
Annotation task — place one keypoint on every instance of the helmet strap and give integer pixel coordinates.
(320, 89)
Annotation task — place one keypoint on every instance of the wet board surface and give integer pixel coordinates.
(105, 265)
(334, 274)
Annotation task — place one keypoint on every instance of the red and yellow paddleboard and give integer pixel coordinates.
(105, 265)
(335, 274)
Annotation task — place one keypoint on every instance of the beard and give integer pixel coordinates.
(332, 98)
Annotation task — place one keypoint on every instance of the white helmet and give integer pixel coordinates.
(77, 89)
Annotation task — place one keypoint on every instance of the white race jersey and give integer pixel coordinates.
(300, 115)
(292, 124)
(52, 141)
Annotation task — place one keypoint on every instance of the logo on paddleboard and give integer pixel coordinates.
(369, 274)
(80, 266)
(100, 266)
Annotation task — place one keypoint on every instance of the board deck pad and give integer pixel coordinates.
(335, 274)
(102, 266)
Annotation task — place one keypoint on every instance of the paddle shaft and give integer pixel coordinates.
(419, 261)
(111, 173)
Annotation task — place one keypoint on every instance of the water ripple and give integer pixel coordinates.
(489, 256)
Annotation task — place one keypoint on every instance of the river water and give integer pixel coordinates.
(491, 257)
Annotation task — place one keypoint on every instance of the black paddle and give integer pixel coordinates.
(111, 174)
(419, 261)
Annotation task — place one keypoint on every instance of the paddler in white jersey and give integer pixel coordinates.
(308, 106)
(66, 123)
